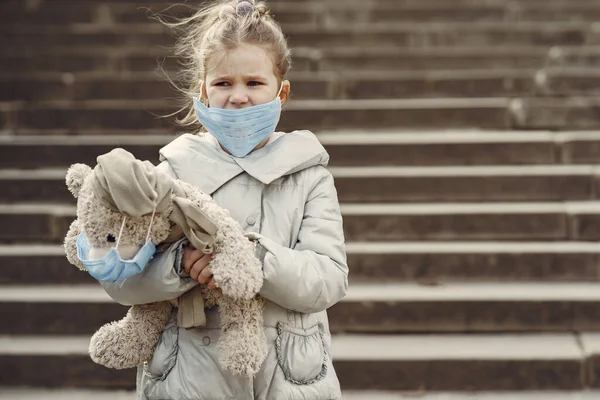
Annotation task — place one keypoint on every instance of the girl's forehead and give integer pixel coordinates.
(244, 60)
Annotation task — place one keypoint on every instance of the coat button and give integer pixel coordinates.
(206, 340)
(251, 221)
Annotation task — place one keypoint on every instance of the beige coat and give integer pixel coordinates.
(284, 193)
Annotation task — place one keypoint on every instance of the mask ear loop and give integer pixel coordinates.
(150, 227)
(120, 233)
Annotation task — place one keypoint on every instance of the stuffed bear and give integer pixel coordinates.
(122, 201)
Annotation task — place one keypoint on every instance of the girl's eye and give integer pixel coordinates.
(254, 83)
(221, 84)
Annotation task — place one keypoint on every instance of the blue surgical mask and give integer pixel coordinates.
(111, 268)
(240, 131)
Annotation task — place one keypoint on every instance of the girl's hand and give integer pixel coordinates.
(195, 263)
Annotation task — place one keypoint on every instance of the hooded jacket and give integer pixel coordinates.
(285, 196)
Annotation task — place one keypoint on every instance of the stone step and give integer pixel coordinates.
(472, 307)
(492, 113)
(395, 32)
(437, 262)
(147, 85)
(428, 263)
(579, 56)
(411, 34)
(471, 221)
(74, 394)
(424, 395)
(346, 147)
(556, 113)
(372, 58)
(119, 58)
(383, 184)
(321, 85)
(581, 81)
(401, 363)
(305, 85)
(315, 12)
(107, 13)
(579, 221)
(368, 308)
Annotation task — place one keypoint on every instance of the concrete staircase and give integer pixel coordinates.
(462, 139)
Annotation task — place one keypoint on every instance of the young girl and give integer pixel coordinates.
(276, 185)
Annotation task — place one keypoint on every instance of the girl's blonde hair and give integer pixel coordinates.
(217, 27)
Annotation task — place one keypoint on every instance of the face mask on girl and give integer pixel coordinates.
(111, 267)
(240, 131)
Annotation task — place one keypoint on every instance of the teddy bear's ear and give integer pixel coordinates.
(76, 176)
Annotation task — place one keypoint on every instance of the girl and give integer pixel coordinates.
(276, 185)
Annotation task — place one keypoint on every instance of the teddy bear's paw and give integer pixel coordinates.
(132, 340)
(70, 245)
(239, 277)
(109, 348)
(242, 352)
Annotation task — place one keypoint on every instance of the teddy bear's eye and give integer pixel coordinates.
(111, 239)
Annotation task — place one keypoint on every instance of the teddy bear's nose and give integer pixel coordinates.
(111, 238)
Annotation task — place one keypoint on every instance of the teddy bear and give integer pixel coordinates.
(122, 203)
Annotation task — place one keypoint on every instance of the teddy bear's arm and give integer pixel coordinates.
(159, 281)
(70, 245)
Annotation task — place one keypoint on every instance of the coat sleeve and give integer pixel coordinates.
(162, 279)
(313, 275)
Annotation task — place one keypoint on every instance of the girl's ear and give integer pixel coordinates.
(284, 95)
(203, 93)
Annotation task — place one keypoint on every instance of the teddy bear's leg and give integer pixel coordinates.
(237, 271)
(132, 340)
(242, 347)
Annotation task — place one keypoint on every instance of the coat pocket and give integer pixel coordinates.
(301, 353)
(165, 354)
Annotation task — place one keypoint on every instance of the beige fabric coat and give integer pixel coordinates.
(284, 193)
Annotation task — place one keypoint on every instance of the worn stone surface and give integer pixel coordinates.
(377, 59)
(34, 228)
(579, 151)
(432, 268)
(42, 269)
(438, 85)
(546, 226)
(48, 318)
(34, 190)
(571, 113)
(463, 316)
(460, 188)
(585, 226)
(460, 375)
(48, 153)
(122, 87)
(61, 371)
(313, 115)
(63, 155)
(416, 154)
(80, 371)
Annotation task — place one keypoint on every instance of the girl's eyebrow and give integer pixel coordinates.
(246, 77)
(257, 77)
(219, 78)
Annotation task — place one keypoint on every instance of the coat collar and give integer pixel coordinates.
(200, 161)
